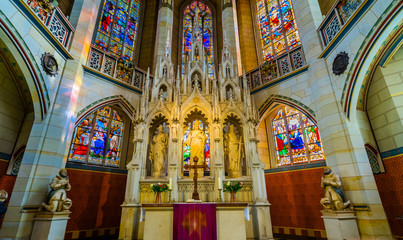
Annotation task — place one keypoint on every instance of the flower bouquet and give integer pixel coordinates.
(233, 187)
(158, 189)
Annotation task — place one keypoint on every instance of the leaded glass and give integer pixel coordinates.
(118, 28)
(278, 30)
(97, 138)
(296, 137)
(186, 148)
(206, 28)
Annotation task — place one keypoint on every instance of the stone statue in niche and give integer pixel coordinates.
(233, 151)
(158, 152)
(57, 200)
(334, 197)
(197, 141)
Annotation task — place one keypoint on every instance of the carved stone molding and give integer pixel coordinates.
(340, 63)
(49, 64)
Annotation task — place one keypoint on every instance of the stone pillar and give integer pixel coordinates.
(230, 30)
(48, 142)
(340, 225)
(164, 30)
(342, 140)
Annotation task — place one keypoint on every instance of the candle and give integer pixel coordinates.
(170, 183)
(219, 183)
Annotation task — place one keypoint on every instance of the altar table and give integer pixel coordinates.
(159, 221)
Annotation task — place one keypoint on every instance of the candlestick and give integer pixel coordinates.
(219, 195)
(169, 196)
(219, 183)
(170, 183)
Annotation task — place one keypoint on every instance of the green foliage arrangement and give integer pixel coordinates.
(159, 187)
(233, 187)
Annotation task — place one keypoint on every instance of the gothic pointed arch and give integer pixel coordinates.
(386, 34)
(24, 67)
(273, 101)
(117, 99)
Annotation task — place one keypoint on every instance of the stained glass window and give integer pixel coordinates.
(278, 30)
(206, 28)
(296, 138)
(118, 27)
(97, 138)
(186, 147)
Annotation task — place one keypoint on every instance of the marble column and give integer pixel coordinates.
(164, 30)
(230, 29)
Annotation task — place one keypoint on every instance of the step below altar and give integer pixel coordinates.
(195, 221)
(207, 190)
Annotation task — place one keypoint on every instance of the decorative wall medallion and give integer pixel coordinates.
(340, 63)
(49, 64)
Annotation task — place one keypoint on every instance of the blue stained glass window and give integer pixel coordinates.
(206, 27)
(278, 31)
(296, 138)
(118, 27)
(97, 138)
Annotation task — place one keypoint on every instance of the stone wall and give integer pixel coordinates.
(12, 111)
(385, 104)
(246, 33)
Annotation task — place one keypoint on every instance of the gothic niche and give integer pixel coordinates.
(340, 63)
(196, 142)
(196, 79)
(229, 92)
(234, 150)
(157, 160)
(163, 93)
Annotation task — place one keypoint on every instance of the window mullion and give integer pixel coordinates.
(303, 137)
(107, 137)
(287, 133)
(94, 122)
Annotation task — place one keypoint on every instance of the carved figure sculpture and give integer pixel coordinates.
(158, 153)
(57, 200)
(3, 198)
(197, 141)
(233, 150)
(334, 197)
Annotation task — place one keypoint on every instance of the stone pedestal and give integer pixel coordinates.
(50, 225)
(130, 225)
(340, 224)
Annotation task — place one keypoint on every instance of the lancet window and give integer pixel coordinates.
(206, 28)
(296, 138)
(117, 30)
(277, 27)
(97, 139)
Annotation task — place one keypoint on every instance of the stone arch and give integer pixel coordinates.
(117, 99)
(24, 65)
(376, 49)
(274, 100)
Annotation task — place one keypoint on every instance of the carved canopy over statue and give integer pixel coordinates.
(57, 200)
(158, 152)
(233, 151)
(334, 196)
